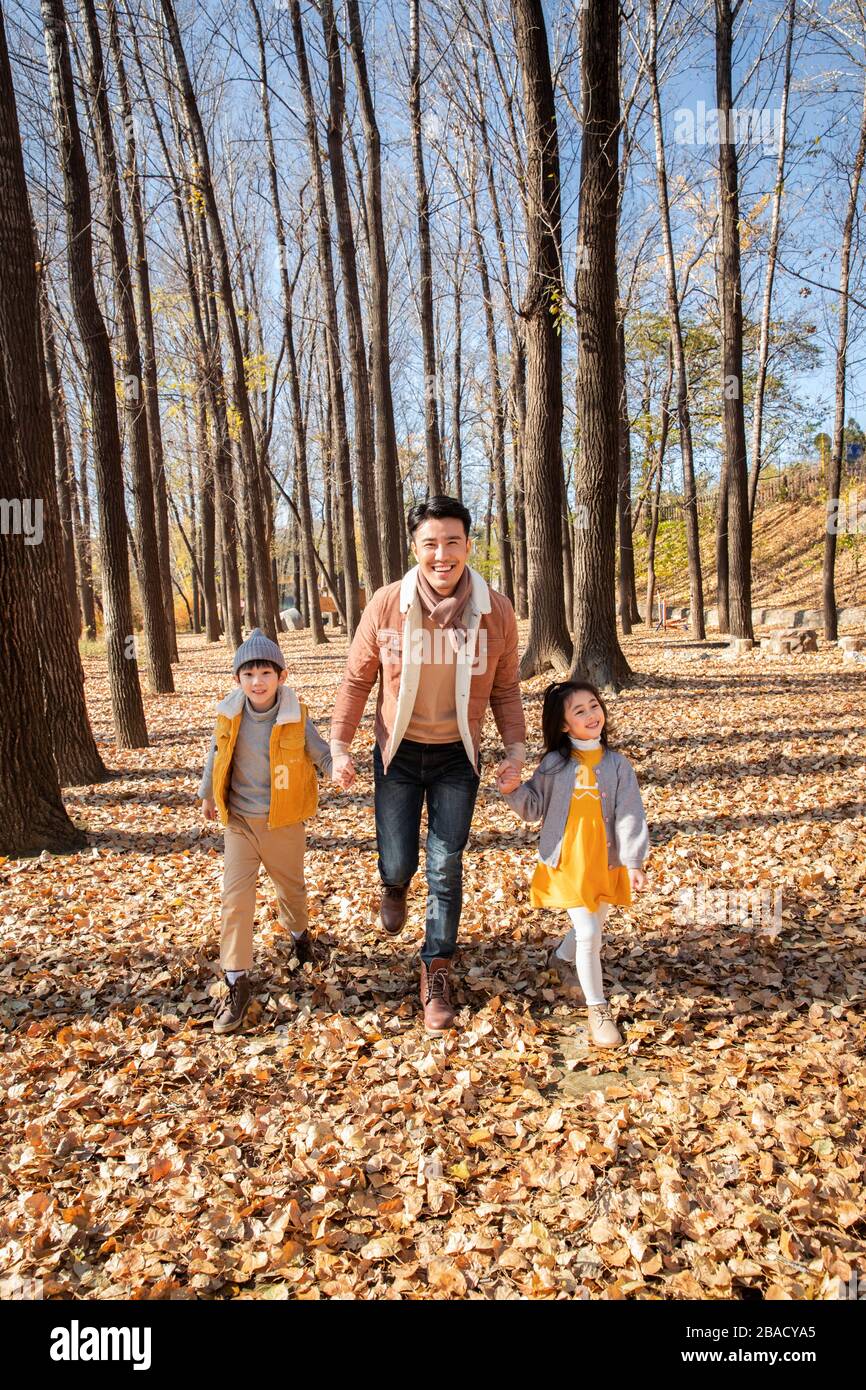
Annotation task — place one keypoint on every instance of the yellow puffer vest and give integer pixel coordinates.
(294, 786)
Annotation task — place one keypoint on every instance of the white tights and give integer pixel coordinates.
(582, 945)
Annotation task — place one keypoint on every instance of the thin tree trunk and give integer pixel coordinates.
(370, 555)
(834, 472)
(335, 370)
(733, 416)
(85, 559)
(772, 253)
(64, 463)
(497, 406)
(628, 607)
(432, 441)
(387, 462)
(208, 520)
(549, 642)
(690, 505)
(248, 453)
(126, 701)
(145, 320)
(150, 583)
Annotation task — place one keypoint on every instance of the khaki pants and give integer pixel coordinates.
(249, 843)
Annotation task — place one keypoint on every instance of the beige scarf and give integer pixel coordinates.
(446, 611)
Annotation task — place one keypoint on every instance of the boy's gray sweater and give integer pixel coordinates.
(547, 797)
(250, 792)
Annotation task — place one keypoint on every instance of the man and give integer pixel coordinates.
(443, 645)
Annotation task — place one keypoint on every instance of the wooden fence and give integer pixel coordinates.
(798, 481)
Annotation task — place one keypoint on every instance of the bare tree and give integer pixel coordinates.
(597, 654)
(126, 701)
(549, 642)
(432, 441)
(153, 610)
(733, 409)
(834, 471)
(387, 464)
(249, 457)
(335, 370)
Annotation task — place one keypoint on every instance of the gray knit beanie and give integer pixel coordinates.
(258, 647)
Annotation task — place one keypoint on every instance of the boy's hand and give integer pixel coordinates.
(209, 808)
(507, 777)
(343, 770)
(637, 879)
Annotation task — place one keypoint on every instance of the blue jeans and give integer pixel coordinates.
(443, 773)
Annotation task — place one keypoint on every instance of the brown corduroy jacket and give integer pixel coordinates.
(390, 643)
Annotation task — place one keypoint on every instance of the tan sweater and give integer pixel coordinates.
(434, 714)
(392, 617)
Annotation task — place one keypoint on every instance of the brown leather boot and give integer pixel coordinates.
(436, 996)
(392, 909)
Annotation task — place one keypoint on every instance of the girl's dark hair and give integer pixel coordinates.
(553, 715)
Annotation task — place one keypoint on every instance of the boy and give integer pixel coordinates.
(260, 778)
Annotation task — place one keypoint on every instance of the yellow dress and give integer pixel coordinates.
(582, 877)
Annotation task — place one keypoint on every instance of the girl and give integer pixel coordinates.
(594, 837)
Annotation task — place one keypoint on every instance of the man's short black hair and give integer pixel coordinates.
(437, 508)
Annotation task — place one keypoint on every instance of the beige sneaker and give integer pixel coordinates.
(602, 1029)
(566, 974)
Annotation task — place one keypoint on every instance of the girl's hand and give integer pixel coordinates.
(209, 808)
(507, 778)
(637, 879)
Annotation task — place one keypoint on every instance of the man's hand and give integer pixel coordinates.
(343, 770)
(508, 775)
(209, 808)
(637, 879)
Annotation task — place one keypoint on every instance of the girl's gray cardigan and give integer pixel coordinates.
(547, 797)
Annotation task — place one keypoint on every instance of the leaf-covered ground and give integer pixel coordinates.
(333, 1150)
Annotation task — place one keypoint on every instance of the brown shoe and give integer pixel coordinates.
(436, 996)
(230, 1015)
(306, 949)
(392, 909)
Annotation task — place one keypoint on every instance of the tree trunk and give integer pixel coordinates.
(597, 653)
(64, 463)
(628, 607)
(152, 603)
(126, 701)
(145, 320)
(248, 453)
(432, 441)
(370, 555)
(387, 462)
(834, 472)
(497, 406)
(739, 528)
(549, 642)
(207, 509)
(690, 504)
(335, 370)
(40, 643)
(85, 559)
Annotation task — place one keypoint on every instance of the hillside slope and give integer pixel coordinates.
(788, 547)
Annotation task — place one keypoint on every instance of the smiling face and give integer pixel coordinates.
(442, 549)
(583, 716)
(259, 682)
